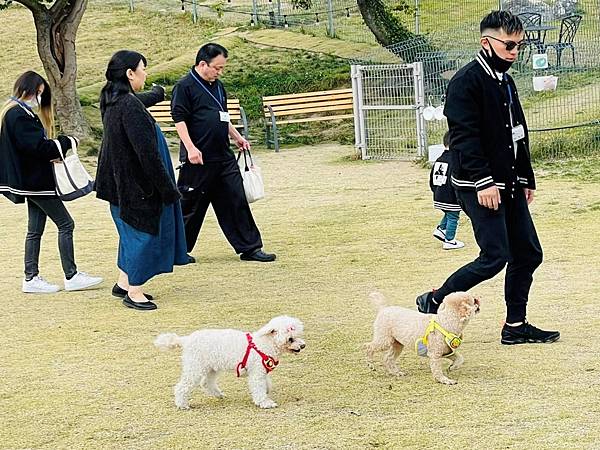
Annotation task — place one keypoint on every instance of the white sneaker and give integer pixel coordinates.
(80, 281)
(454, 243)
(37, 285)
(440, 234)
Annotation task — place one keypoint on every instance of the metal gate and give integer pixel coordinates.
(388, 104)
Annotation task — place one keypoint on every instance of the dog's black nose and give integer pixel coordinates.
(302, 346)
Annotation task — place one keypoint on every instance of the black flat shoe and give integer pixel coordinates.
(191, 259)
(258, 255)
(117, 291)
(141, 306)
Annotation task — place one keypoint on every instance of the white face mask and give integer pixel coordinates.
(39, 100)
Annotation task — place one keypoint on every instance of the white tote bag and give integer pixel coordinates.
(71, 178)
(252, 177)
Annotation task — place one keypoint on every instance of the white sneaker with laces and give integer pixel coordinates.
(80, 281)
(451, 245)
(440, 234)
(37, 285)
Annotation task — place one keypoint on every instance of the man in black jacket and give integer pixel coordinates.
(493, 177)
(209, 173)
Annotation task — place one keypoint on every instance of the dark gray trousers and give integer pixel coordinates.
(38, 209)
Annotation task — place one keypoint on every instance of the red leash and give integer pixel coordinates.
(268, 362)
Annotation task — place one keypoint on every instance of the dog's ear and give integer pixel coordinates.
(464, 310)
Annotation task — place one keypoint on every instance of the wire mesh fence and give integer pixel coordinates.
(557, 74)
(561, 101)
(563, 120)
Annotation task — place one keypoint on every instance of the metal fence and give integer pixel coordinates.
(456, 21)
(558, 79)
(564, 121)
(388, 101)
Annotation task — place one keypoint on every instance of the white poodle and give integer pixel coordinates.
(208, 352)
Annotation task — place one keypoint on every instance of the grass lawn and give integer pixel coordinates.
(79, 370)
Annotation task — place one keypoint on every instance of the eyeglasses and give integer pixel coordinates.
(510, 45)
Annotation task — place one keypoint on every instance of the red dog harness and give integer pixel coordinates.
(268, 362)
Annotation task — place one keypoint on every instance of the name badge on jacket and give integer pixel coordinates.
(225, 116)
(518, 133)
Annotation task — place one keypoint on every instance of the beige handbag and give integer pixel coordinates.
(71, 178)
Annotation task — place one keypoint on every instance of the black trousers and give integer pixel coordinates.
(38, 210)
(220, 184)
(505, 237)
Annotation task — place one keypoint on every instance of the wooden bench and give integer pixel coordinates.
(304, 107)
(162, 114)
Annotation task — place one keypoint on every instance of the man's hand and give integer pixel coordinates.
(529, 194)
(194, 155)
(241, 143)
(489, 197)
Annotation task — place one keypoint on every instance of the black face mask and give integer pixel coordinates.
(497, 63)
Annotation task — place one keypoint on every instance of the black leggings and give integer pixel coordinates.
(38, 208)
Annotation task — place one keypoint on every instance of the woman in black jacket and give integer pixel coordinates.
(26, 151)
(135, 175)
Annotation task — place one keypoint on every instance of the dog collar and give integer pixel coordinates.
(268, 362)
(452, 340)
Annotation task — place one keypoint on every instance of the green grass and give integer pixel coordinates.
(79, 370)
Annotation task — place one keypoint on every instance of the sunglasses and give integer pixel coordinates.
(510, 45)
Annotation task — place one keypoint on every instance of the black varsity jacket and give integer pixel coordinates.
(478, 109)
(25, 155)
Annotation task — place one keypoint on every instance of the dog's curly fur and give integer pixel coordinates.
(396, 327)
(210, 351)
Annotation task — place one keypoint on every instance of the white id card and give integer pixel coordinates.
(518, 133)
(225, 116)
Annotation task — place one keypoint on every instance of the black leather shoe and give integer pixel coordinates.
(117, 291)
(527, 334)
(142, 306)
(191, 259)
(258, 255)
(425, 303)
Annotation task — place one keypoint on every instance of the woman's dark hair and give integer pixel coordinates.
(117, 83)
(27, 86)
(497, 20)
(210, 51)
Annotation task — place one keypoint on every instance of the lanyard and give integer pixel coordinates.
(510, 100)
(220, 101)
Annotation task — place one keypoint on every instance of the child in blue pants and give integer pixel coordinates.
(444, 198)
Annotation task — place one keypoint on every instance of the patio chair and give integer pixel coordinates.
(568, 28)
(532, 37)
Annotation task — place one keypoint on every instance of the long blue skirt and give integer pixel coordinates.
(143, 255)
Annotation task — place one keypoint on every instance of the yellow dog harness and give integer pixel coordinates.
(452, 340)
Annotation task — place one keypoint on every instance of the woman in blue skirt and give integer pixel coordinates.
(135, 175)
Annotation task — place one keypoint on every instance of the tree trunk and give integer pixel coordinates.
(391, 32)
(56, 32)
(387, 29)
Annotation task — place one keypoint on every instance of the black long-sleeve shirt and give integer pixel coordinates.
(199, 103)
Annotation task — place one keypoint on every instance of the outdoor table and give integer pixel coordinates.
(542, 29)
